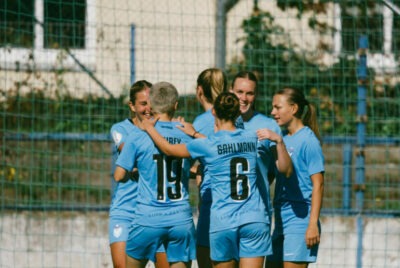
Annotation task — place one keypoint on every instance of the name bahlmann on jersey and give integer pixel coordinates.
(239, 147)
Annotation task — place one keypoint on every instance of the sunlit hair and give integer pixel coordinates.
(213, 81)
(306, 111)
(163, 98)
(227, 107)
(137, 87)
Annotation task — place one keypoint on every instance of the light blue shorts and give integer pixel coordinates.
(179, 242)
(292, 248)
(246, 241)
(118, 229)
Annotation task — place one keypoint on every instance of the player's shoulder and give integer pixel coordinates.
(203, 116)
(238, 133)
(168, 127)
(173, 134)
(264, 118)
(264, 121)
(309, 136)
(120, 130)
(125, 124)
(136, 134)
(306, 132)
(247, 133)
(304, 138)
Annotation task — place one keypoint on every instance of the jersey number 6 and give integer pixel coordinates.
(239, 182)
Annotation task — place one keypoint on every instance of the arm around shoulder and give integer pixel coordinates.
(177, 150)
(119, 174)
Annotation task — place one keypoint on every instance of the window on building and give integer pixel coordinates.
(64, 23)
(35, 27)
(17, 23)
(396, 29)
(381, 25)
(362, 19)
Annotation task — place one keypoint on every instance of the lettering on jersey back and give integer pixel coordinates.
(239, 147)
(173, 140)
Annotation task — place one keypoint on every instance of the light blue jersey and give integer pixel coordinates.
(163, 198)
(124, 194)
(265, 159)
(292, 200)
(259, 121)
(204, 124)
(230, 157)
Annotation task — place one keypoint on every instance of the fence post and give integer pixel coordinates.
(359, 186)
(132, 50)
(223, 6)
(347, 161)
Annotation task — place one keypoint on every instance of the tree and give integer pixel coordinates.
(269, 52)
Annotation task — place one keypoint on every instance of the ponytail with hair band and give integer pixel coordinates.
(306, 109)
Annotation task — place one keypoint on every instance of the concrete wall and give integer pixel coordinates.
(77, 239)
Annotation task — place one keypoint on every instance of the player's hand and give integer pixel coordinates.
(148, 123)
(267, 134)
(312, 235)
(186, 127)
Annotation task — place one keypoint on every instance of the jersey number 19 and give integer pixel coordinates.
(169, 171)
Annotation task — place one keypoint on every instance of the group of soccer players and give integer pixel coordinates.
(236, 153)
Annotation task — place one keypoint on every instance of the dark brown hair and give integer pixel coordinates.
(248, 75)
(227, 107)
(136, 87)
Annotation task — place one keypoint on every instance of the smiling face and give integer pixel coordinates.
(245, 90)
(141, 107)
(283, 111)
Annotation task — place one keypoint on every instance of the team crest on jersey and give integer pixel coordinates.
(117, 137)
(117, 230)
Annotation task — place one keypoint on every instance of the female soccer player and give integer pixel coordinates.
(163, 215)
(122, 208)
(239, 232)
(244, 86)
(298, 199)
(210, 83)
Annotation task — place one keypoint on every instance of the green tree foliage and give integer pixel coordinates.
(270, 52)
